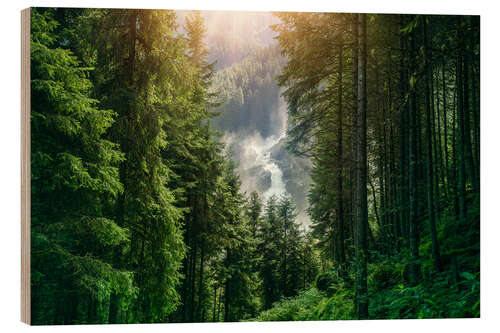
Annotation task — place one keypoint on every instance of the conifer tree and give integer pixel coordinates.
(75, 183)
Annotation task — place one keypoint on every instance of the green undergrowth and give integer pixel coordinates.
(301, 307)
(437, 297)
(453, 292)
(390, 297)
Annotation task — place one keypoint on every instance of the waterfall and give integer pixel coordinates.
(277, 185)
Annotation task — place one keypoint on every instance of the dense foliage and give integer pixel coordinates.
(137, 213)
(137, 209)
(387, 108)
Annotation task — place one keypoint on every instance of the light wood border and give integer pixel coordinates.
(25, 168)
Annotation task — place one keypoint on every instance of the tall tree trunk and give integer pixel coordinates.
(340, 166)
(413, 230)
(354, 189)
(461, 133)
(215, 303)
(226, 302)
(186, 267)
(133, 40)
(200, 283)
(403, 133)
(219, 304)
(380, 133)
(192, 275)
(375, 209)
(445, 126)
(471, 172)
(454, 144)
(430, 161)
(227, 288)
(395, 226)
(362, 221)
(476, 123)
(439, 134)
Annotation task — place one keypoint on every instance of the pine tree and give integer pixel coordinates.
(74, 186)
(269, 247)
(139, 83)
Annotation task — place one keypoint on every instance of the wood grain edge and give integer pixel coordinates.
(25, 168)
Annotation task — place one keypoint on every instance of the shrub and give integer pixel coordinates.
(340, 306)
(300, 307)
(384, 275)
(326, 281)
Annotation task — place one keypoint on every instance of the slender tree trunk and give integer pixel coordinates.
(396, 229)
(430, 167)
(442, 176)
(476, 123)
(461, 136)
(471, 172)
(395, 226)
(403, 134)
(193, 282)
(227, 288)
(377, 218)
(215, 303)
(186, 267)
(340, 166)
(354, 162)
(380, 132)
(133, 40)
(445, 126)
(362, 221)
(200, 283)
(219, 304)
(413, 230)
(142, 296)
(454, 144)
(226, 302)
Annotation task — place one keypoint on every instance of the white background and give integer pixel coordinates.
(10, 70)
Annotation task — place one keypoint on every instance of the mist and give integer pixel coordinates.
(253, 116)
(261, 162)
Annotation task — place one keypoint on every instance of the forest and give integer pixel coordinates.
(138, 214)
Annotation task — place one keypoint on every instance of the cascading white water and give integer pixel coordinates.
(277, 185)
(254, 153)
(258, 170)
